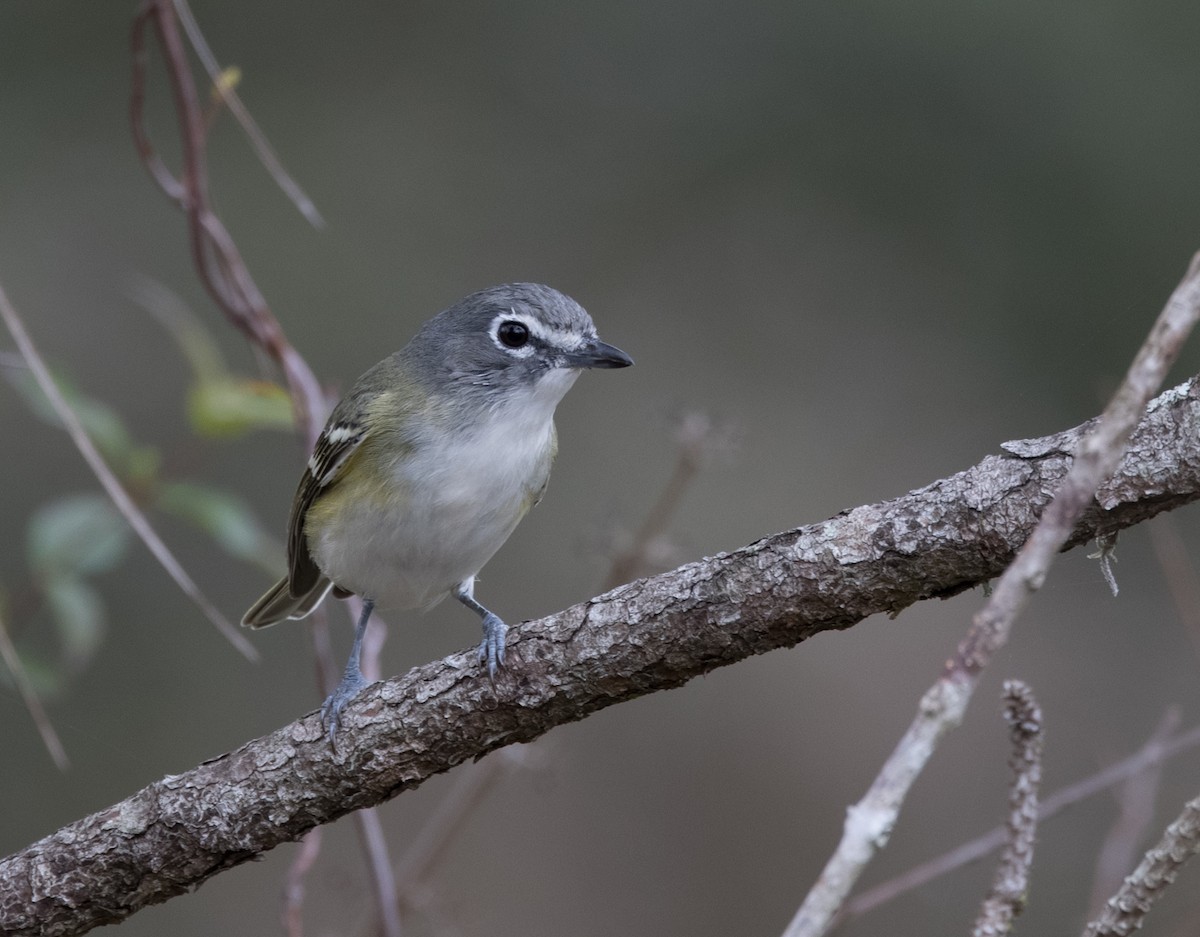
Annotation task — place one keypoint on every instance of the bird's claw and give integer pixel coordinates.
(491, 648)
(331, 710)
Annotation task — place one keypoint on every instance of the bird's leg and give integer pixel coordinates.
(491, 649)
(353, 680)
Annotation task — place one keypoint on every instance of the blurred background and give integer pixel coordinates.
(870, 240)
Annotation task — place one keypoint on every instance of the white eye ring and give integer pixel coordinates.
(513, 334)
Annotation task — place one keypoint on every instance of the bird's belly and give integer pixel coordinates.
(407, 560)
(440, 521)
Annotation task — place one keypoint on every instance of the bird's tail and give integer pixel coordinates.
(279, 603)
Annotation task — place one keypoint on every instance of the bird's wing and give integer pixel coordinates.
(337, 442)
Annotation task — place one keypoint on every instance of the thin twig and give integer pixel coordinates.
(37, 712)
(1154, 752)
(695, 439)
(869, 823)
(293, 889)
(379, 864)
(470, 789)
(1127, 909)
(217, 259)
(1180, 574)
(645, 637)
(228, 280)
(370, 829)
(1011, 883)
(1126, 836)
(258, 140)
(112, 486)
(447, 821)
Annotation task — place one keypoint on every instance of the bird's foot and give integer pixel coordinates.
(352, 684)
(491, 648)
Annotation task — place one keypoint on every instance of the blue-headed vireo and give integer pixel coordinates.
(429, 463)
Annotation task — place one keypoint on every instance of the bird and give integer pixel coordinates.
(428, 464)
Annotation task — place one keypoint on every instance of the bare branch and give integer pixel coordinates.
(1154, 752)
(227, 278)
(430, 843)
(37, 712)
(112, 485)
(1011, 883)
(258, 140)
(1180, 575)
(643, 637)
(869, 822)
(695, 439)
(1097, 455)
(218, 262)
(1126, 836)
(374, 844)
(1127, 909)
(293, 891)
(379, 864)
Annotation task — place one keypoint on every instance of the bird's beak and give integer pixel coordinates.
(597, 354)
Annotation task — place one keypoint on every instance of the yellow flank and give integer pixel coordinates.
(430, 461)
(373, 487)
(373, 462)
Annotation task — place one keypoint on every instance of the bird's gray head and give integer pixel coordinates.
(515, 335)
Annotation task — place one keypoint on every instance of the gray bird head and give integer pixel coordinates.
(515, 335)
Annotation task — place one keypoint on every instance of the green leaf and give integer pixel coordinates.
(79, 534)
(187, 329)
(100, 420)
(227, 519)
(141, 465)
(225, 406)
(79, 617)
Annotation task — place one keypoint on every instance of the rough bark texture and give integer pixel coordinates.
(650, 635)
(1010, 884)
(1127, 909)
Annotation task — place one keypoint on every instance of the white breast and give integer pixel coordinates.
(465, 490)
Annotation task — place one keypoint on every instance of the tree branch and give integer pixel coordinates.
(1098, 454)
(218, 262)
(113, 487)
(650, 635)
(1011, 882)
(1127, 909)
(1135, 814)
(1154, 752)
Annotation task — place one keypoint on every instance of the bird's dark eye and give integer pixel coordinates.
(512, 333)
